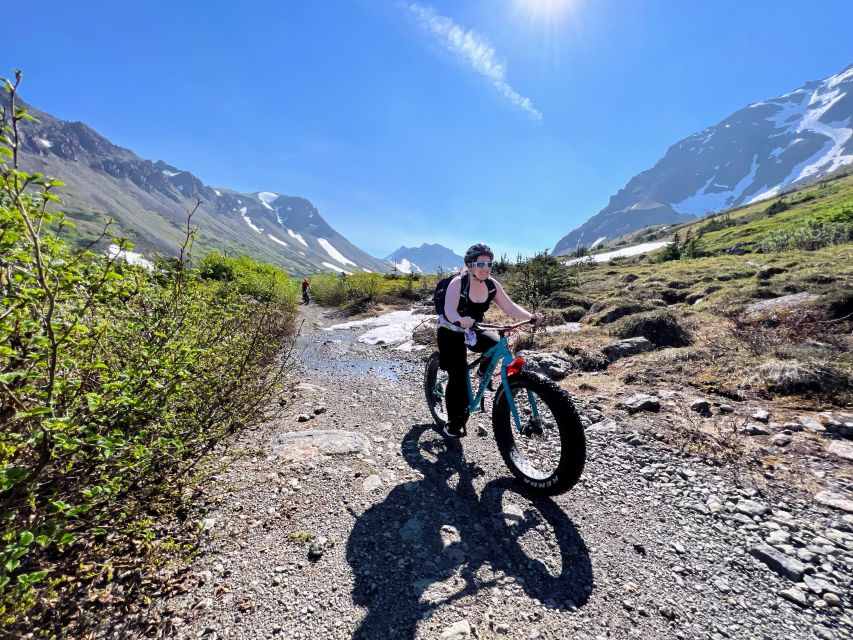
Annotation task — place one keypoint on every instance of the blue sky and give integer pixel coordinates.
(504, 121)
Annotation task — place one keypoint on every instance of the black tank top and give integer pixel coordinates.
(475, 310)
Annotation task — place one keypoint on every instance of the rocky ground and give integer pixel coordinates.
(351, 517)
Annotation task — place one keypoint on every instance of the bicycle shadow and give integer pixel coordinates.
(429, 544)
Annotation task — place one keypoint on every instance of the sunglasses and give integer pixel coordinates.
(480, 264)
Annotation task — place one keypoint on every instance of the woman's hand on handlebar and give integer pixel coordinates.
(465, 322)
(536, 318)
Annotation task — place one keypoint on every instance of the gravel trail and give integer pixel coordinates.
(351, 517)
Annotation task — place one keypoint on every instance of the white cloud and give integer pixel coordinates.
(472, 49)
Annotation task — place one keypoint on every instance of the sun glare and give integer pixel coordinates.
(545, 9)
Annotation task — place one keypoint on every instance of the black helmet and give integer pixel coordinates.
(478, 249)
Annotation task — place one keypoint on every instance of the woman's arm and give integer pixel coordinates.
(451, 303)
(509, 307)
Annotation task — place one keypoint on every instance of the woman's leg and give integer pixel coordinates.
(453, 359)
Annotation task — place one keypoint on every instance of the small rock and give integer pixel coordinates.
(835, 500)
(762, 415)
(303, 417)
(502, 628)
(795, 595)
(832, 599)
(412, 530)
(754, 429)
(642, 402)
(457, 631)
(702, 407)
(838, 422)
(843, 450)
(751, 508)
(317, 548)
(372, 483)
(784, 565)
(628, 347)
(726, 408)
(781, 440)
(319, 409)
(810, 424)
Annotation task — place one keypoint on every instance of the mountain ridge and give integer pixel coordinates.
(150, 200)
(752, 154)
(427, 258)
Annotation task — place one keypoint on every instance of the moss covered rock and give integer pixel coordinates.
(660, 327)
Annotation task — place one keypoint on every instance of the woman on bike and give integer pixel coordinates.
(468, 297)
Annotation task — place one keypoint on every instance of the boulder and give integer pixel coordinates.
(642, 402)
(629, 347)
(766, 309)
(554, 364)
(839, 423)
(702, 407)
(782, 564)
(302, 445)
(660, 327)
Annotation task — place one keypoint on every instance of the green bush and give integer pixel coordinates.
(114, 382)
(809, 236)
(535, 280)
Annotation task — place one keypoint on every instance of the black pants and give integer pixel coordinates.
(453, 358)
(305, 296)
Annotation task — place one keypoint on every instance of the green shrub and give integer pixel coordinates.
(114, 382)
(809, 236)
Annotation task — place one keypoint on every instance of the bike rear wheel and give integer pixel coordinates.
(548, 454)
(435, 393)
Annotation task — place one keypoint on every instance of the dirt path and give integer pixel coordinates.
(395, 533)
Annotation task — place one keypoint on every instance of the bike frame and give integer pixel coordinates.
(499, 355)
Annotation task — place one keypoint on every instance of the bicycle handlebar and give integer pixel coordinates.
(500, 328)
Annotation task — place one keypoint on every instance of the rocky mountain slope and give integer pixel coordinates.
(753, 154)
(427, 258)
(149, 203)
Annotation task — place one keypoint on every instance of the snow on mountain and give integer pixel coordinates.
(334, 253)
(428, 258)
(149, 202)
(754, 154)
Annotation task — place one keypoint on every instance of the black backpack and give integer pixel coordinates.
(440, 293)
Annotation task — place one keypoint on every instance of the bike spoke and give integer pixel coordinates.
(537, 446)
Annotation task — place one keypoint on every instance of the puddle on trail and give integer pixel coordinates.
(339, 352)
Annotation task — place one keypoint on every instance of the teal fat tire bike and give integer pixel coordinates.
(536, 426)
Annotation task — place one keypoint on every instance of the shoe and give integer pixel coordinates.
(454, 431)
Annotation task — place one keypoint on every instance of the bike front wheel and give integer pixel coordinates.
(435, 390)
(549, 452)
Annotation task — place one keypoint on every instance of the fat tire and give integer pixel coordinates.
(572, 438)
(430, 377)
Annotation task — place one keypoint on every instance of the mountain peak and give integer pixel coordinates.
(753, 154)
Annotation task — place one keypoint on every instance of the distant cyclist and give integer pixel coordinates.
(305, 286)
(467, 299)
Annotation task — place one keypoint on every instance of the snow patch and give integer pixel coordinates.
(334, 268)
(597, 242)
(274, 239)
(334, 253)
(249, 220)
(404, 266)
(393, 328)
(297, 237)
(266, 197)
(217, 192)
(171, 174)
(42, 142)
(636, 250)
(129, 257)
(702, 202)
